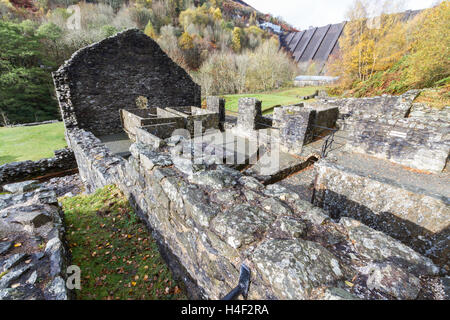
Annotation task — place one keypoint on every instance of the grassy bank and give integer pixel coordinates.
(270, 99)
(116, 254)
(30, 143)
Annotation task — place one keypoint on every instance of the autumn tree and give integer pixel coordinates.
(371, 41)
(217, 14)
(236, 39)
(186, 42)
(429, 61)
(150, 31)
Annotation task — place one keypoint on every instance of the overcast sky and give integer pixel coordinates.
(304, 13)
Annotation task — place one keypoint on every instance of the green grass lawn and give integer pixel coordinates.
(118, 258)
(270, 99)
(30, 143)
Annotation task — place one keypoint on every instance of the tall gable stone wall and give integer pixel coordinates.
(110, 75)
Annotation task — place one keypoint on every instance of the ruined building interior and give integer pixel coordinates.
(359, 194)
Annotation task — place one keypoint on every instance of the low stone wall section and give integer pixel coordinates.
(64, 159)
(419, 144)
(358, 108)
(33, 253)
(417, 218)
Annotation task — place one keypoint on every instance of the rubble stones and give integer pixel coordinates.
(11, 276)
(215, 179)
(275, 206)
(13, 261)
(251, 183)
(23, 292)
(35, 220)
(292, 226)
(242, 225)
(5, 246)
(56, 290)
(338, 294)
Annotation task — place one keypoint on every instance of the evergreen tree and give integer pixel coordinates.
(26, 88)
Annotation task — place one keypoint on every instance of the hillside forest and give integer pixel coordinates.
(389, 54)
(218, 42)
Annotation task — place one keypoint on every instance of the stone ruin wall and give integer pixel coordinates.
(393, 129)
(392, 107)
(413, 216)
(64, 159)
(216, 218)
(111, 74)
(414, 143)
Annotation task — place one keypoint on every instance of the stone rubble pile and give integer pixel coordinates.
(33, 257)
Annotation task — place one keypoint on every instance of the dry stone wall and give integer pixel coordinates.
(395, 107)
(64, 159)
(420, 144)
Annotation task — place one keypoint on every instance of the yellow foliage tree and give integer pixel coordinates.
(144, 3)
(217, 14)
(150, 31)
(430, 55)
(368, 44)
(236, 39)
(186, 42)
